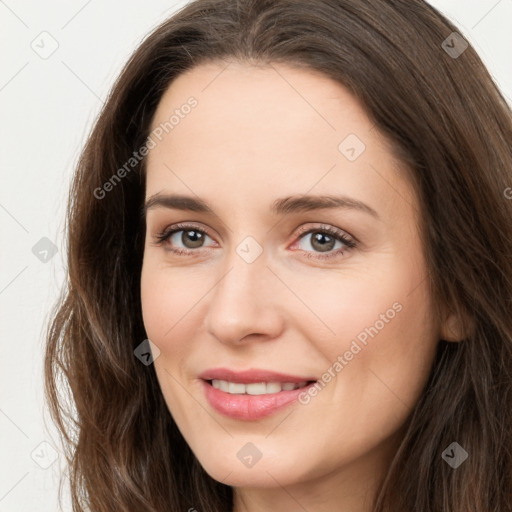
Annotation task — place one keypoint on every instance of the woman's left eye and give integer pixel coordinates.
(323, 242)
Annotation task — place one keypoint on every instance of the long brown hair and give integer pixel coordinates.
(445, 119)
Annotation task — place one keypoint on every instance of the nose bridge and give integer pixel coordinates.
(243, 299)
(246, 268)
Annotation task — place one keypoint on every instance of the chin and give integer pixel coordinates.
(264, 473)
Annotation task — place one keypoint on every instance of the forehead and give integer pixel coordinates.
(257, 130)
(259, 102)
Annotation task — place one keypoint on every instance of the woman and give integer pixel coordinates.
(289, 269)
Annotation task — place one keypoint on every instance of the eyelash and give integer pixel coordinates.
(349, 243)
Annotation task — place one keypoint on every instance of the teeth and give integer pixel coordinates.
(256, 388)
(235, 388)
(273, 387)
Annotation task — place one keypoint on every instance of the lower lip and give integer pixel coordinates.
(250, 407)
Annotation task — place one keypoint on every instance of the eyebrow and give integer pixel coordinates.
(281, 206)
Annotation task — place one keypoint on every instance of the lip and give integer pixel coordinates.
(250, 407)
(252, 376)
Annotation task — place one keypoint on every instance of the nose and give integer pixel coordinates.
(246, 303)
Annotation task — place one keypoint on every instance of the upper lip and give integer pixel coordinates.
(252, 375)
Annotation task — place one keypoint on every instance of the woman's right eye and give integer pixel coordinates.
(190, 237)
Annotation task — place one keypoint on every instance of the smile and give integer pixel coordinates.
(251, 407)
(256, 388)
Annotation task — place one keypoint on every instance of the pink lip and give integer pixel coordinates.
(250, 407)
(251, 376)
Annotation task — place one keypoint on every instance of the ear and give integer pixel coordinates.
(452, 328)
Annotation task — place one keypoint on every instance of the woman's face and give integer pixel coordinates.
(261, 292)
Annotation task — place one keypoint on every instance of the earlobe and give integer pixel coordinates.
(453, 329)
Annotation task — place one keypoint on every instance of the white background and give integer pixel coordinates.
(47, 107)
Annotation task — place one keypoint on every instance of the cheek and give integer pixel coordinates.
(164, 310)
(388, 345)
(348, 307)
(174, 303)
(168, 299)
(378, 338)
(168, 318)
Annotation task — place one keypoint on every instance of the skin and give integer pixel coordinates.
(257, 134)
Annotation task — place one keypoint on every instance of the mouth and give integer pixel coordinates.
(253, 394)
